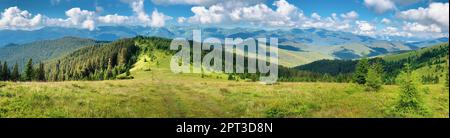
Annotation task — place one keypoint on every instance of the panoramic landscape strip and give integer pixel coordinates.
(224, 59)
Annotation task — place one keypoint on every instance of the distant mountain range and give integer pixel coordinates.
(428, 42)
(296, 46)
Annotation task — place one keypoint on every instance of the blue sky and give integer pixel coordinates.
(382, 18)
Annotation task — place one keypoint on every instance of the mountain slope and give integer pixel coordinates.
(42, 50)
(97, 62)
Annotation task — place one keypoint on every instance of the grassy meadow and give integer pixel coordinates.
(155, 92)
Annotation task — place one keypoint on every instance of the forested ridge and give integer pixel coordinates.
(41, 51)
(97, 62)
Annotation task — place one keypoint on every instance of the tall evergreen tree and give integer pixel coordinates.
(373, 82)
(360, 74)
(56, 71)
(6, 72)
(15, 76)
(29, 71)
(40, 72)
(374, 77)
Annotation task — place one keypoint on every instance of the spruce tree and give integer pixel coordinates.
(29, 71)
(6, 73)
(360, 74)
(410, 101)
(57, 71)
(40, 72)
(374, 79)
(15, 76)
(373, 82)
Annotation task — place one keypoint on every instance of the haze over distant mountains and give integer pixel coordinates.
(296, 46)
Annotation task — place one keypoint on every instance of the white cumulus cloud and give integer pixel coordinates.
(157, 19)
(394, 31)
(352, 15)
(316, 16)
(430, 21)
(385, 21)
(284, 14)
(83, 18)
(365, 28)
(258, 14)
(417, 27)
(14, 18)
(380, 6)
(187, 2)
(113, 19)
(229, 3)
(215, 14)
(435, 13)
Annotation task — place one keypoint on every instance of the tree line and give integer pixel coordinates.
(42, 50)
(98, 62)
(29, 74)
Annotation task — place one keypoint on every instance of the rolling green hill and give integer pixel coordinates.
(430, 59)
(424, 54)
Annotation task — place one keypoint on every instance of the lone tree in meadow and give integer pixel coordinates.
(410, 101)
(361, 71)
(374, 78)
